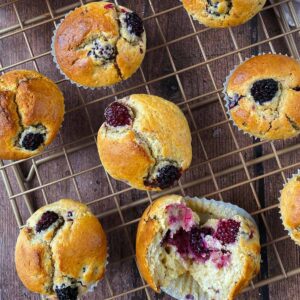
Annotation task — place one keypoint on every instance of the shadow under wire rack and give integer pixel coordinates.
(186, 63)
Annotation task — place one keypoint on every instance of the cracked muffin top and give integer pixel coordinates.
(31, 113)
(100, 44)
(223, 13)
(263, 96)
(145, 142)
(61, 251)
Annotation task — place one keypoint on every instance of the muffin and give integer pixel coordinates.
(99, 44)
(290, 208)
(32, 111)
(61, 251)
(263, 96)
(194, 248)
(145, 142)
(223, 13)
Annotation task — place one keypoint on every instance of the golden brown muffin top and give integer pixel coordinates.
(61, 249)
(32, 110)
(100, 44)
(153, 138)
(223, 13)
(263, 96)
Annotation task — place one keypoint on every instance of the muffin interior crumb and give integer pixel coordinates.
(204, 252)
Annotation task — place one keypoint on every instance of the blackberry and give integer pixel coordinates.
(47, 219)
(32, 141)
(102, 51)
(234, 101)
(67, 293)
(197, 243)
(134, 23)
(180, 240)
(264, 90)
(167, 175)
(227, 231)
(117, 114)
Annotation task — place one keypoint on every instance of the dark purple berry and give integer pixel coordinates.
(47, 219)
(180, 240)
(67, 293)
(134, 23)
(227, 231)
(117, 114)
(204, 231)
(234, 101)
(197, 243)
(102, 51)
(167, 175)
(32, 141)
(297, 88)
(264, 90)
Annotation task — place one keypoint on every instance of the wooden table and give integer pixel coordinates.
(187, 64)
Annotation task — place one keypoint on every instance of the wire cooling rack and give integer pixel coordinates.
(187, 64)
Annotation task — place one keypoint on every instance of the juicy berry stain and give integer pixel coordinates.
(134, 23)
(180, 240)
(32, 141)
(67, 293)
(47, 219)
(264, 90)
(179, 215)
(117, 114)
(167, 175)
(109, 6)
(198, 245)
(227, 231)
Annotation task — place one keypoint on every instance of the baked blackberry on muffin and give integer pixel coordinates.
(145, 141)
(263, 96)
(195, 248)
(223, 13)
(61, 251)
(290, 207)
(99, 44)
(32, 111)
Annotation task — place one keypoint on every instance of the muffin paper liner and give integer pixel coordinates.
(226, 98)
(182, 287)
(62, 72)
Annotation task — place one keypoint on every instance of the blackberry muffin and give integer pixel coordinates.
(61, 252)
(290, 207)
(99, 44)
(223, 13)
(145, 142)
(32, 111)
(263, 96)
(194, 248)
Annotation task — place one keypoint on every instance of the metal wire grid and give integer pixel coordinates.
(188, 104)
